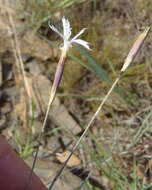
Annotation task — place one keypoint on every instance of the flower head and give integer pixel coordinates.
(67, 42)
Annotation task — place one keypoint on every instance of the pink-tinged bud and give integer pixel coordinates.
(135, 48)
(59, 72)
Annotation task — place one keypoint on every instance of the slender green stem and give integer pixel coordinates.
(85, 131)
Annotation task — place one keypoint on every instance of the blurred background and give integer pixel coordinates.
(116, 154)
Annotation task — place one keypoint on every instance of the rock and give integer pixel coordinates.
(35, 67)
(36, 47)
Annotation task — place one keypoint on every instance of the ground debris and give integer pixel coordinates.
(46, 170)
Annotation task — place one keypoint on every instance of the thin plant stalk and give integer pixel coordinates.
(56, 83)
(85, 131)
(131, 55)
(16, 48)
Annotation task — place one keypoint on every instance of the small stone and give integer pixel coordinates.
(35, 67)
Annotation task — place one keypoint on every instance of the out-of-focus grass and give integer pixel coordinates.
(144, 128)
(113, 171)
(24, 149)
(39, 12)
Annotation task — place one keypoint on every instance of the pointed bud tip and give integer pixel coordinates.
(135, 48)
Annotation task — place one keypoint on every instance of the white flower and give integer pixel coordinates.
(67, 42)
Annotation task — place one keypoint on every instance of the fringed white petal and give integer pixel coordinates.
(82, 43)
(66, 28)
(56, 30)
(76, 36)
